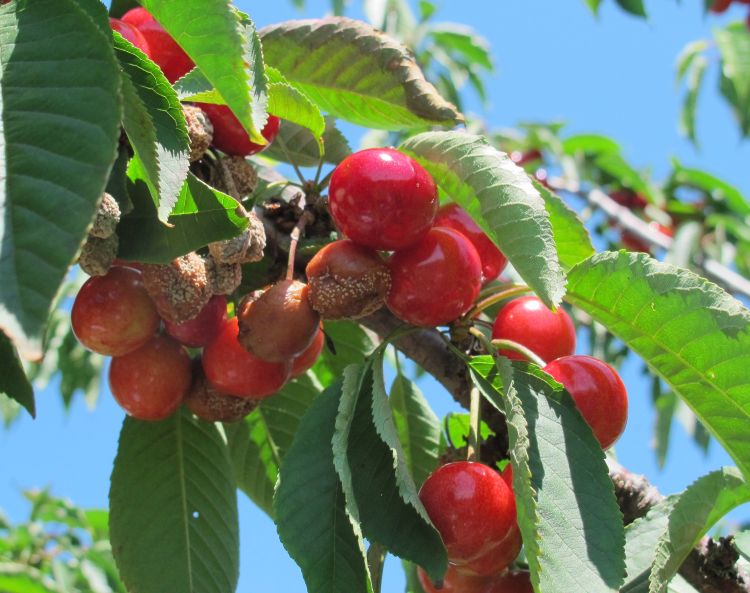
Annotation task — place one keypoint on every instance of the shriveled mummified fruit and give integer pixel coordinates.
(279, 323)
(347, 281)
(212, 405)
(200, 131)
(243, 249)
(107, 217)
(180, 289)
(223, 278)
(97, 255)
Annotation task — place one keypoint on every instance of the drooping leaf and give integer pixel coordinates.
(173, 507)
(704, 502)
(572, 239)
(500, 198)
(372, 467)
(201, 215)
(258, 444)
(635, 7)
(690, 103)
(356, 73)
(688, 55)
(224, 45)
(733, 43)
(302, 148)
(418, 428)
(571, 525)
(13, 381)
(465, 41)
(58, 152)
(312, 518)
(689, 331)
(155, 125)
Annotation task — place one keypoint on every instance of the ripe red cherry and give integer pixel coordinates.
(200, 330)
(305, 361)
(382, 198)
(454, 217)
(598, 392)
(229, 135)
(232, 369)
(151, 382)
(113, 314)
(132, 34)
(720, 6)
(511, 582)
(475, 513)
(165, 51)
(454, 582)
(529, 322)
(435, 280)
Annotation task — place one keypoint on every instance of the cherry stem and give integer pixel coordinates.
(497, 297)
(375, 562)
(521, 349)
(472, 449)
(324, 182)
(295, 236)
(280, 141)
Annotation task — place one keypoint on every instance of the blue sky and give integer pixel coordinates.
(612, 75)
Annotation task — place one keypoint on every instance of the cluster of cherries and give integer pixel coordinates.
(141, 29)
(636, 202)
(720, 6)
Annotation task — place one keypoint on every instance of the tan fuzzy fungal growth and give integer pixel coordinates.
(280, 323)
(347, 281)
(243, 249)
(244, 175)
(223, 278)
(212, 405)
(107, 218)
(179, 289)
(98, 254)
(200, 131)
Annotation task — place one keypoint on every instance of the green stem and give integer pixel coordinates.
(497, 297)
(472, 450)
(375, 561)
(516, 347)
(280, 141)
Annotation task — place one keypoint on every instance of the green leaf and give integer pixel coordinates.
(356, 73)
(618, 168)
(302, 147)
(311, 515)
(704, 502)
(58, 152)
(201, 215)
(688, 55)
(593, 5)
(291, 104)
(13, 381)
(689, 331)
(120, 7)
(412, 580)
(155, 125)
(370, 462)
(590, 144)
(258, 444)
(572, 239)
(733, 43)
(418, 428)
(635, 7)
(223, 44)
(690, 103)
(352, 346)
(665, 406)
(742, 543)
(571, 525)
(500, 198)
(20, 578)
(717, 189)
(465, 41)
(173, 507)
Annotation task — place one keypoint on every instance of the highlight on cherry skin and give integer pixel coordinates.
(598, 392)
(382, 198)
(528, 321)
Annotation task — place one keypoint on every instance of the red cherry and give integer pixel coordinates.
(454, 582)
(454, 217)
(529, 322)
(507, 475)
(523, 158)
(511, 582)
(382, 198)
(232, 369)
(113, 314)
(598, 392)
(132, 34)
(229, 135)
(305, 361)
(165, 51)
(151, 382)
(475, 513)
(628, 198)
(200, 330)
(720, 6)
(435, 280)
(632, 243)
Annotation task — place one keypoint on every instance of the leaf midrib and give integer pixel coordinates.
(183, 498)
